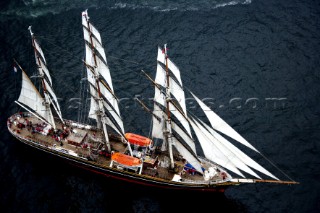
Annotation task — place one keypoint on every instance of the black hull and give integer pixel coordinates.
(128, 177)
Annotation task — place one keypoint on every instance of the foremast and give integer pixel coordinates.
(31, 97)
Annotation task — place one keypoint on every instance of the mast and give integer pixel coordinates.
(47, 101)
(168, 130)
(100, 116)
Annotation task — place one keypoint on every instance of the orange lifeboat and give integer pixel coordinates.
(138, 139)
(126, 160)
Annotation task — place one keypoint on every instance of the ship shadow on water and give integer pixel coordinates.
(58, 186)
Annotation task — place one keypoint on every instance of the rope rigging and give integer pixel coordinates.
(84, 95)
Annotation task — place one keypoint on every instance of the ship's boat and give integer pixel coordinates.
(138, 140)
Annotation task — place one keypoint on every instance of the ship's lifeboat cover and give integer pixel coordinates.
(138, 139)
(126, 160)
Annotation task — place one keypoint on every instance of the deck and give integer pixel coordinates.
(86, 142)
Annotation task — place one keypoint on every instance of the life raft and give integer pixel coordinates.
(138, 140)
(126, 160)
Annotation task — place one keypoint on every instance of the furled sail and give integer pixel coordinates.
(31, 97)
(218, 124)
(99, 77)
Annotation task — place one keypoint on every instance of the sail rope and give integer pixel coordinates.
(81, 59)
(260, 153)
(84, 93)
(137, 63)
(273, 164)
(81, 92)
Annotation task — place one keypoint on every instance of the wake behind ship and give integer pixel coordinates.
(167, 159)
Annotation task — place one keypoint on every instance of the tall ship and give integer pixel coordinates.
(167, 158)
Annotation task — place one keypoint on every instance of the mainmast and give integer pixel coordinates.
(101, 116)
(47, 101)
(168, 130)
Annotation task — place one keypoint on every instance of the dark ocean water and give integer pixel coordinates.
(257, 63)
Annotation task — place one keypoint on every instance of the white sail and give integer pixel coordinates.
(94, 108)
(111, 124)
(220, 125)
(178, 93)
(54, 100)
(115, 116)
(187, 155)
(43, 70)
(109, 97)
(94, 105)
(174, 69)
(31, 97)
(97, 45)
(226, 152)
(180, 117)
(104, 71)
(157, 126)
(94, 31)
(89, 57)
(101, 67)
(211, 152)
(39, 50)
(96, 68)
(47, 81)
(238, 153)
(175, 89)
(184, 136)
(101, 64)
(160, 76)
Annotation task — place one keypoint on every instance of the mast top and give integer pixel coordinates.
(85, 14)
(165, 51)
(29, 28)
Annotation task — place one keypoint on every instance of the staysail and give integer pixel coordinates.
(220, 125)
(222, 151)
(235, 153)
(30, 97)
